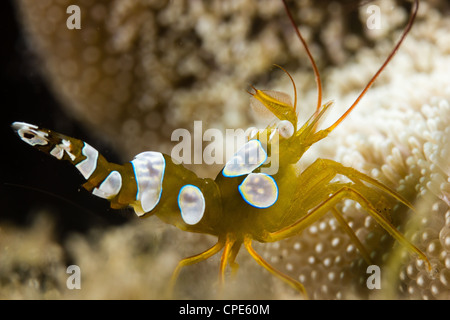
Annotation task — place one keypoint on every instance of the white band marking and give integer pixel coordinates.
(88, 165)
(249, 157)
(110, 187)
(259, 190)
(149, 172)
(191, 203)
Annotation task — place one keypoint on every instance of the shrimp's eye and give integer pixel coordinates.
(286, 129)
(191, 203)
(259, 190)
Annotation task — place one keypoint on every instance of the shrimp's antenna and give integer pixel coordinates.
(388, 59)
(313, 63)
(53, 195)
(293, 84)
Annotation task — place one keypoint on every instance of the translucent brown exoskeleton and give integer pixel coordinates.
(247, 201)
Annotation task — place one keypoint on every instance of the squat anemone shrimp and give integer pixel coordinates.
(243, 203)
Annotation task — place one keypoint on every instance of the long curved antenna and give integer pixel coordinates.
(313, 63)
(391, 55)
(293, 84)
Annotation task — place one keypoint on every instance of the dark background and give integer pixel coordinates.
(32, 182)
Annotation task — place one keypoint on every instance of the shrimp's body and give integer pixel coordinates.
(246, 202)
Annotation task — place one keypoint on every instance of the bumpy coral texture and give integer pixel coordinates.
(138, 69)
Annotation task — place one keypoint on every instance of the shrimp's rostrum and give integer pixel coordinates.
(245, 202)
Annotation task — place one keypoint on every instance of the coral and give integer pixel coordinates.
(152, 67)
(139, 69)
(32, 264)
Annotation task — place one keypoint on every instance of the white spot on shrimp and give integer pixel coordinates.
(110, 187)
(149, 172)
(58, 150)
(30, 133)
(259, 190)
(191, 203)
(88, 165)
(249, 157)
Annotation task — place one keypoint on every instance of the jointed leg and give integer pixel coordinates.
(340, 219)
(234, 251)
(292, 282)
(192, 260)
(228, 257)
(322, 171)
(357, 176)
(224, 259)
(328, 204)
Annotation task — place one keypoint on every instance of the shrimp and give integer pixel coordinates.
(246, 202)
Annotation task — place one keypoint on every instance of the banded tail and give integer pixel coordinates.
(137, 183)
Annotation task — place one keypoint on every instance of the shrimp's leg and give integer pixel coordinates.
(329, 169)
(234, 251)
(230, 251)
(292, 282)
(322, 171)
(344, 225)
(193, 260)
(346, 192)
(315, 185)
(229, 244)
(355, 176)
